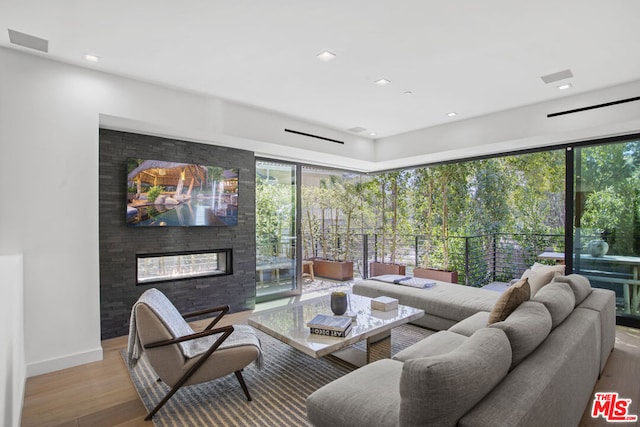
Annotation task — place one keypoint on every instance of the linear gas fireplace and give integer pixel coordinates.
(154, 268)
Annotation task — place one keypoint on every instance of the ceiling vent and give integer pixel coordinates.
(357, 129)
(29, 41)
(560, 75)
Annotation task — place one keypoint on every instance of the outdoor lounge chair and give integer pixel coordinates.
(182, 357)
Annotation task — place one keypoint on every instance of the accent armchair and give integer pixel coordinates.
(182, 357)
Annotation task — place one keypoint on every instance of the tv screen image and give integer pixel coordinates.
(162, 194)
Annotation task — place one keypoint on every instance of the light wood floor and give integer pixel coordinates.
(102, 394)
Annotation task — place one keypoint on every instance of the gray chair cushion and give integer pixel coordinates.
(439, 390)
(559, 300)
(438, 343)
(170, 364)
(526, 328)
(580, 285)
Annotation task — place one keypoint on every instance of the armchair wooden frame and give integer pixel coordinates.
(208, 330)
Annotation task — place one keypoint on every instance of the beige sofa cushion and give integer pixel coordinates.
(433, 345)
(509, 300)
(579, 284)
(439, 390)
(541, 274)
(368, 396)
(527, 327)
(468, 326)
(559, 299)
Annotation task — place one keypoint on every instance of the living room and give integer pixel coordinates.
(51, 111)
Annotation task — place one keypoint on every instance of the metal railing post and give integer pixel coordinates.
(495, 260)
(375, 247)
(466, 260)
(365, 256)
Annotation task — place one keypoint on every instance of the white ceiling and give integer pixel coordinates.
(468, 56)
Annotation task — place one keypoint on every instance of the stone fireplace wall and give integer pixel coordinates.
(119, 243)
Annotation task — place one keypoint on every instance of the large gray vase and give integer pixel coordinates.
(338, 303)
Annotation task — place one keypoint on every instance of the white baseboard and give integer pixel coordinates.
(68, 361)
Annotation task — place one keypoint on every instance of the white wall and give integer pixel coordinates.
(12, 364)
(49, 120)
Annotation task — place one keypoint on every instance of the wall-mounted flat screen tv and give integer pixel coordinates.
(163, 194)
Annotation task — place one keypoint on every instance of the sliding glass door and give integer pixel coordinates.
(606, 234)
(276, 230)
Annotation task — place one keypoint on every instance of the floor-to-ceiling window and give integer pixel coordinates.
(603, 207)
(606, 232)
(276, 230)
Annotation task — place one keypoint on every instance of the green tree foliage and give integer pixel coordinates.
(500, 195)
(274, 218)
(603, 210)
(449, 199)
(522, 194)
(491, 185)
(538, 192)
(390, 197)
(607, 184)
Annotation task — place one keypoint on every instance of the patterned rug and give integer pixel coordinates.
(278, 391)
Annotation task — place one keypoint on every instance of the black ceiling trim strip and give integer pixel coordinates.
(607, 104)
(314, 136)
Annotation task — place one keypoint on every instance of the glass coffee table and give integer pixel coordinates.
(289, 325)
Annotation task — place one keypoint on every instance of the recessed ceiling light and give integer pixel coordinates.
(565, 86)
(382, 82)
(90, 57)
(372, 134)
(326, 56)
(452, 114)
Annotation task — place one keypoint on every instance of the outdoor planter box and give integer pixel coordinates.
(336, 270)
(380, 268)
(432, 273)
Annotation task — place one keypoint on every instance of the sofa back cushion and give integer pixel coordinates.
(579, 284)
(526, 328)
(439, 390)
(559, 299)
(541, 274)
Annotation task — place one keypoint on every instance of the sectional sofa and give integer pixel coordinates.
(537, 365)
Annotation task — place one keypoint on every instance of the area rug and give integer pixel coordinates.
(279, 390)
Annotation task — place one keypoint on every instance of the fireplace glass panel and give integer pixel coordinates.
(153, 268)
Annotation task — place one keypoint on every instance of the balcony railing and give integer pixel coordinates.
(479, 259)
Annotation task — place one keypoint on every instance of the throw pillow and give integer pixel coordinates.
(509, 301)
(540, 275)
